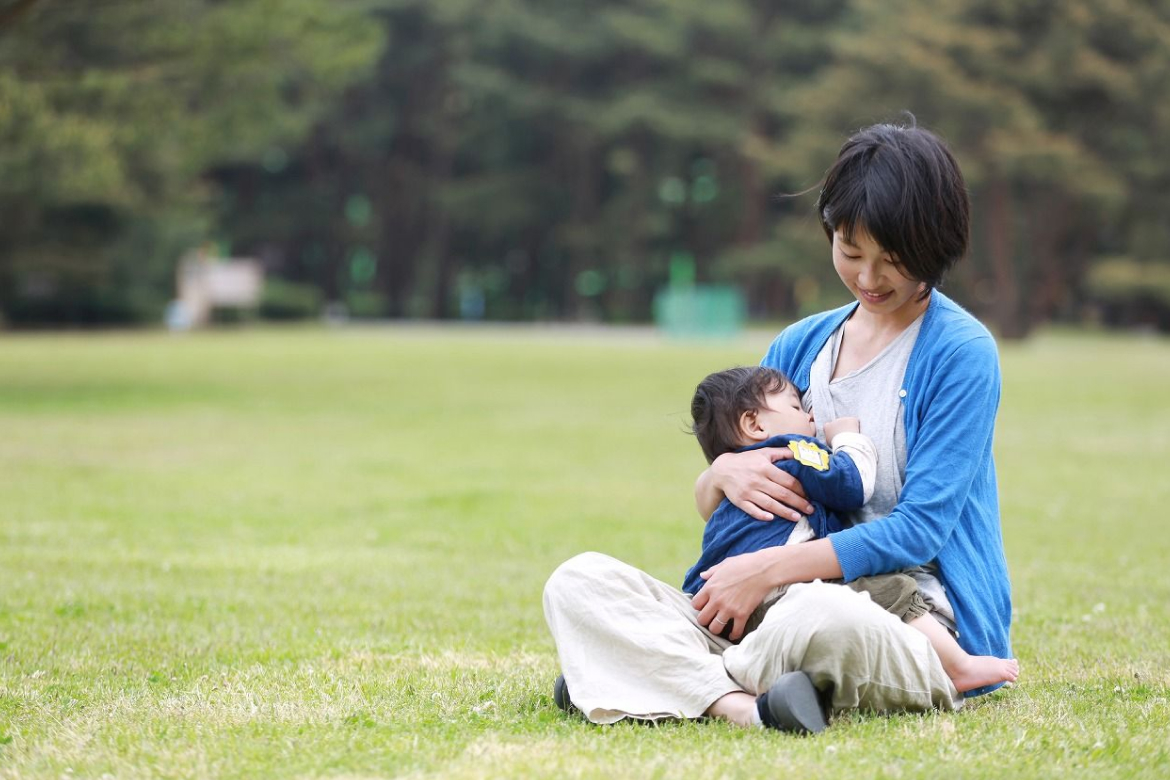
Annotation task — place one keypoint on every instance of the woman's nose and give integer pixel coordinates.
(867, 276)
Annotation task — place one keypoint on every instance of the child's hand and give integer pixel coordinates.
(841, 425)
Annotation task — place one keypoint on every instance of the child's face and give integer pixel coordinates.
(783, 414)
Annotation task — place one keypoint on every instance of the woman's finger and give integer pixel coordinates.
(777, 453)
(719, 625)
(758, 511)
(773, 500)
(787, 490)
(770, 509)
(720, 618)
(707, 614)
(702, 601)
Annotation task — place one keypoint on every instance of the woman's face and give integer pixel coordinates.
(874, 278)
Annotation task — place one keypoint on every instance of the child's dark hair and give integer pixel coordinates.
(722, 398)
(903, 187)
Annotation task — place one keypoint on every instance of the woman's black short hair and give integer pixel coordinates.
(903, 187)
(722, 397)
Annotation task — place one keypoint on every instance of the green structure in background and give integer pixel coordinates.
(684, 309)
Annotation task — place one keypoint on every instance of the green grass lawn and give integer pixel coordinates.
(320, 554)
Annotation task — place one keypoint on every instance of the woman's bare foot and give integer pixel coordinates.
(976, 671)
(737, 707)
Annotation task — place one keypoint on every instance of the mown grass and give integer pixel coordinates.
(320, 554)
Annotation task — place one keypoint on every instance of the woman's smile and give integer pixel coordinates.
(874, 298)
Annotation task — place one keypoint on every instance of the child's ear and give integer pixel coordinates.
(749, 426)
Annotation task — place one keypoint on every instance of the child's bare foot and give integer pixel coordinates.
(976, 671)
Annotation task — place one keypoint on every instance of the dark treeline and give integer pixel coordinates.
(516, 159)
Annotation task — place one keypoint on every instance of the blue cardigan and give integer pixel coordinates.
(948, 510)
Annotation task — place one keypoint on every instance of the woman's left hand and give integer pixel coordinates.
(734, 588)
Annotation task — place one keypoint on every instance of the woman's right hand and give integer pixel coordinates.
(751, 482)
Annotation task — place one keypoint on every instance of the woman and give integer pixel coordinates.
(923, 377)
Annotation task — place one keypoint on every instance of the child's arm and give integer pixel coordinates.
(845, 437)
(842, 480)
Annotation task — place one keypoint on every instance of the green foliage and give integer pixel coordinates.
(1116, 279)
(283, 300)
(1131, 293)
(232, 315)
(210, 571)
(110, 118)
(366, 305)
(531, 143)
(1022, 93)
(53, 155)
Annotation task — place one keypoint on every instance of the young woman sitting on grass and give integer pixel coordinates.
(749, 408)
(922, 376)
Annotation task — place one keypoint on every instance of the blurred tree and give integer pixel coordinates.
(1096, 70)
(523, 160)
(354, 208)
(13, 10)
(660, 123)
(109, 117)
(1047, 106)
(550, 161)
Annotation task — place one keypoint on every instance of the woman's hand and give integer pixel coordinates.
(737, 585)
(751, 482)
(734, 588)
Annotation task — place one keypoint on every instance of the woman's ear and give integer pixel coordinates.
(750, 428)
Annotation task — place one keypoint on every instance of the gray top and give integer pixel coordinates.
(873, 394)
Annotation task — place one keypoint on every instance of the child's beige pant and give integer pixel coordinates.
(629, 646)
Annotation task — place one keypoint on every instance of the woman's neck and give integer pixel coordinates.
(885, 327)
(866, 334)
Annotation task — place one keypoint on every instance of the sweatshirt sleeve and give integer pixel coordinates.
(834, 482)
(862, 450)
(957, 420)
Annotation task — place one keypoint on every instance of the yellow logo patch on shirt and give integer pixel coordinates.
(809, 454)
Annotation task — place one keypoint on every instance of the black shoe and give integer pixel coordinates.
(561, 694)
(793, 704)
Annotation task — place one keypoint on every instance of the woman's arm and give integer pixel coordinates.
(751, 482)
(737, 585)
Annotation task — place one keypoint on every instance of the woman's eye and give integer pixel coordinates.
(852, 257)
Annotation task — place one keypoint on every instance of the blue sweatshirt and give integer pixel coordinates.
(833, 485)
(948, 510)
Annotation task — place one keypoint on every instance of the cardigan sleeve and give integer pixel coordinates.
(956, 421)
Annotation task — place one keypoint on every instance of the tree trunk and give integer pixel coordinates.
(440, 252)
(999, 249)
(11, 15)
(1053, 270)
(586, 184)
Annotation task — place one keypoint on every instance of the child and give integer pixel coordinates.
(750, 408)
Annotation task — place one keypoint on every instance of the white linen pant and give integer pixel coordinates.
(630, 646)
